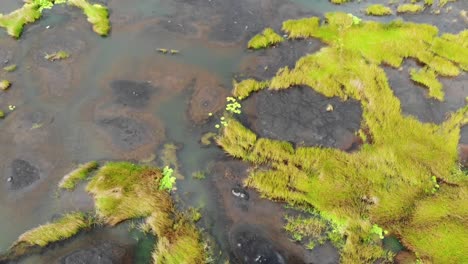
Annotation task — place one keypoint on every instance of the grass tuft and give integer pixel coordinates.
(97, 15)
(10, 68)
(244, 88)
(70, 180)
(4, 85)
(378, 10)
(59, 55)
(265, 39)
(428, 78)
(15, 21)
(66, 227)
(410, 8)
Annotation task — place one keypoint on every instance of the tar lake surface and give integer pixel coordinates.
(117, 98)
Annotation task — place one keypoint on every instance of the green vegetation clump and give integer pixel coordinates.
(378, 10)
(207, 137)
(97, 15)
(167, 181)
(66, 227)
(81, 173)
(301, 28)
(5, 84)
(10, 68)
(305, 227)
(428, 78)
(410, 8)
(338, 2)
(32, 11)
(429, 2)
(59, 55)
(442, 3)
(2, 114)
(265, 39)
(15, 21)
(169, 158)
(61, 229)
(124, 191)
(244, 88)
(199, 175)
(381, 186)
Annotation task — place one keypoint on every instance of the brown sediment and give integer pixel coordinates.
(209, 96)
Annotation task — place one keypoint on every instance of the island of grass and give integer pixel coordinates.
(405, 180)
(97, 15)
(378, 10)
(410, 8)
(124, 191)
(67, 226)
(265, 39)
(32, 10)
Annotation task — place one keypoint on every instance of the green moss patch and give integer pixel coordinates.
(403, 161)
(378, 10)
(97, 15)
(265, 39)
(70, 180)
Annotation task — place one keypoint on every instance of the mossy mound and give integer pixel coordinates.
(404, 166)
(124, 191)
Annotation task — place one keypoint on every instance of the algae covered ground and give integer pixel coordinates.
(405, 180)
